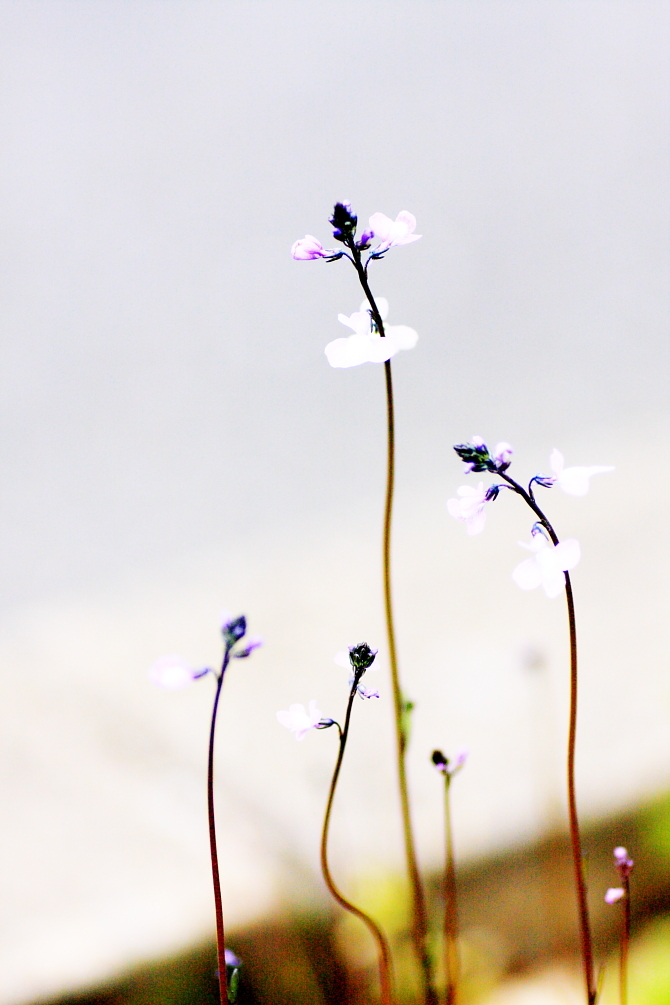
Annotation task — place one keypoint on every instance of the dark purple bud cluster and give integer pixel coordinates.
(361, 657)
(344, 222)
(233, 631)
(476, 456)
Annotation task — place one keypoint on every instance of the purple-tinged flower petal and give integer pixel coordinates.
(393, 233)
(502, 455)
(613, 894)
(307, 248)
(232, 960)
(172, 672)
(575, 481)
(547, 565)
(253, 643)
(300, 721)
(469, 509)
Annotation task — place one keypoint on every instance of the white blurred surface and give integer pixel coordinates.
(174, 441)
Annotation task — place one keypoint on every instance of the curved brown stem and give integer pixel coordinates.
(218, 904)
(384, 953)
(575, 839)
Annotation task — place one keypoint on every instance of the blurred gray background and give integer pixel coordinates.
(174, 441)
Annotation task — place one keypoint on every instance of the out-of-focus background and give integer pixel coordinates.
(174, 443)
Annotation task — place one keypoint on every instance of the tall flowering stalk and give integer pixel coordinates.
(548, 567)
(450, 927)
(173, 672)
(624, 866)
(359, 659)
(372, 341)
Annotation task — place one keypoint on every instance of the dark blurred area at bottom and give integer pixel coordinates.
(516, 909)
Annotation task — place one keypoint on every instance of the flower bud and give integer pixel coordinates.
(343, 221)
(361, 656)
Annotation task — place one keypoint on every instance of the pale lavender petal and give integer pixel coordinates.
(613, 894)
(171, 672)
(568, 554)
(527, 575)
(556, 461)
(476, 522)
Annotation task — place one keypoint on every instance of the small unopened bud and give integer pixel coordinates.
(439, 760)
(343, 221)
(361, 656)
(613, 894)
(234, 630)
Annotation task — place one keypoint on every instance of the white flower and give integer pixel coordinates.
(365, 345)
(393, 233)
(173, 672)
(299, 721)
(613, 894)
(547, 565)
(469, 509)
(574, 481)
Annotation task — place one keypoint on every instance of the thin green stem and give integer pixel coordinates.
(218, 904)
(451, 961)
(384, 953)
(420, 925)
(573, 819)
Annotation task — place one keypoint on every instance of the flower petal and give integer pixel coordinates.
(568, 554)
(351, 351)
(380, 225)
(527, 574)
(402, 336)
(475, 523)
(556, 461)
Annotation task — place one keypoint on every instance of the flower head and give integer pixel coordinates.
(469, 509)
(300, 721)
(308, 248)
(623, 863)
(344, 222)
(574, 481)
(442, 763)
(547, 565)
(172, 672)
(393, 233)
(366, 345)
(613, 894)
(358, 659)
(477, 456)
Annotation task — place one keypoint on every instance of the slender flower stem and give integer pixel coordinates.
(420, 926)
(451, 961)
(575, 840)
(218, 904)
(625, 942)
(384, 953)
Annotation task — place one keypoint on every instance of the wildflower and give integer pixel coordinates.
(547, 565)
(469, 509)
(613, 894)
(300, 721)
(366, 345)
(344, 222)
(442, 763)
(358, 659)
(307, 249)
(478, 458)
(574, 481)
(393, 233)
(622, 862)
(173, 672)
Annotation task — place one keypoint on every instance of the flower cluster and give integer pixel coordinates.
(624, 866)
(389, 233)
(550, 560)
(172, 672)
(367, 345)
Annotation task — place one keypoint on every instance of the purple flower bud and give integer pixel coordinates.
(623, 863)
(308, 248)
(231, 959)
(546, 481)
